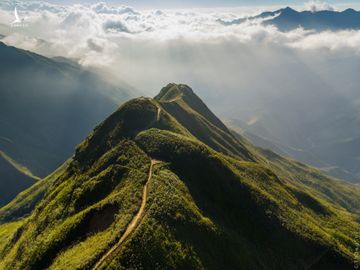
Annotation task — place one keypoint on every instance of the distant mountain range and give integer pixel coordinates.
(329, 140)
(47, 106)
(287, 19)
(162, 183)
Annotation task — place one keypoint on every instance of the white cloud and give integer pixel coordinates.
(334, 41)
(236, 68)
(22, 41)
(31, 6)
(85, 31)
(316, 5)
(103, 8)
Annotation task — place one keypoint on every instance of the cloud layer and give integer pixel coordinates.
(246, 71)
(80, 27)
(133, 43)
(316, 5)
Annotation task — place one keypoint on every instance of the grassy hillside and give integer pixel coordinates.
(309, 178)
(25, 201)
(337, 159)
(181, 102)
(229, 206)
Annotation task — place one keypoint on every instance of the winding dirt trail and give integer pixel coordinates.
(134, 222)
(158, 114)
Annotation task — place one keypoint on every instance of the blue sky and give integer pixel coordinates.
(195, 3)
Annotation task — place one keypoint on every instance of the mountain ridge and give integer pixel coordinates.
(287, 19)
(188, 107)
(205, 208)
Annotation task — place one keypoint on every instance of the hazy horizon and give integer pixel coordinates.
(141, 4)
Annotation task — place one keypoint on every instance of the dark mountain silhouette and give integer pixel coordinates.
(288, 19)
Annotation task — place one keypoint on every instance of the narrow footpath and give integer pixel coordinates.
(132, 225)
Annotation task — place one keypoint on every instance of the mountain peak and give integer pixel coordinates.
(191, 112)
(186, 97)
(350, 10)
(174, 91)
(288, 11)
(131, 118)
(287, 19)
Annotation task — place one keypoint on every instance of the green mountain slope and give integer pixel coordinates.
(25, 201)
(181, 102)
(337, 159)
(146, 191)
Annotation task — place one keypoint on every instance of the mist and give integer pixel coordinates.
(298, 87)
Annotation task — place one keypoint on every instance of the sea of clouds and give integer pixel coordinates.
(149, 48)
(85, 31)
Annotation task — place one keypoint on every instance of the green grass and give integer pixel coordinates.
(188, 109)
(26, 201)
(7, 231)
(205, 209)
